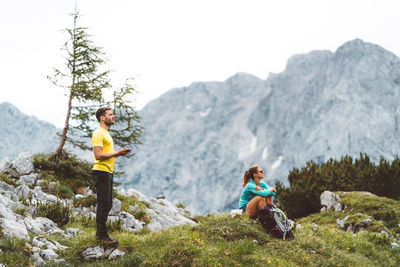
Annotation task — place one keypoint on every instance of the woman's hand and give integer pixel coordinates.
(272, 189)
(257, 188)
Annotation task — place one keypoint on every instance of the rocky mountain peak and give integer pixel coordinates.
(324, 104)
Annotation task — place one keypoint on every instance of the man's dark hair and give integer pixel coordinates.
(101, 112)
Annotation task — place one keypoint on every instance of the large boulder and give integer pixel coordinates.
(164, 214)
(330, 200)
(23, 163)
(41, 225)
(13, 229)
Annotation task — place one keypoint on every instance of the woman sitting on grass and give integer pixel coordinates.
(256, 193)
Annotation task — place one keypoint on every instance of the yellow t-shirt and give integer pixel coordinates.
(102, 138)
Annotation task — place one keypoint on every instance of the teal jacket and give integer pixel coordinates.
(249, 192)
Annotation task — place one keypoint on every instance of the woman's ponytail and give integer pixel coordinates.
(245, 178)
(249, 174)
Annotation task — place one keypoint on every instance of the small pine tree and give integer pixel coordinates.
(86, 81)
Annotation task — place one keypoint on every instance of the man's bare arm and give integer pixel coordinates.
(100, 155)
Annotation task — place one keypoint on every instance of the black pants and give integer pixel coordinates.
(104, 187)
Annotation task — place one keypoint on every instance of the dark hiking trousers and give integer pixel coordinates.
(104, 187)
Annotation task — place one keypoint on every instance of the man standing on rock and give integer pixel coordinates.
(102, 172)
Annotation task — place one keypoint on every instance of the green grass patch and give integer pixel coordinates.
(8, 180)
(86, 201)
(15, 252)
(225, 241)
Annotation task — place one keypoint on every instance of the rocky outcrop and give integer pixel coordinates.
(25, 192)
(330, 200)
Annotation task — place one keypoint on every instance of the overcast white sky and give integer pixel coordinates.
(168, 44)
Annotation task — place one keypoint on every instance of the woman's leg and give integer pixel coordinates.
(254, 204)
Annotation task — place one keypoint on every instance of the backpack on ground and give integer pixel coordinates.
(275, 222)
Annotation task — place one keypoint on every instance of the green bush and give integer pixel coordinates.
(181, 205)
(21, 211)
(87, 201)
(64, 191)
(58, 212)
(84, 221)
(7, 179)
(69, 170)
(308, 183)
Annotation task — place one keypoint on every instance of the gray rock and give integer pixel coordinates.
(116, 207)
(14, 229)
(93, 253)
(43, 197)
(299, 226)
(41, 225)
(189, 212)
(16, 205)
(6, 213)
(29, 179)
(23, 163)
(314, 227)
(164, 214)
(236, 213)
(41, 242)
(48, 254)
(7, 167)
(384, 233)
(341, 223)
(13, 197)
(5, 187)
(23, 191)
(394, 245)
(116, 253)
(338, 207)
(107, 252)
(330, 201)
(37, 259)
(133, 208)
(73, 232)
(366, 222)
(129, 222)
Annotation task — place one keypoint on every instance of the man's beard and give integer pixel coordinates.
(109, 123)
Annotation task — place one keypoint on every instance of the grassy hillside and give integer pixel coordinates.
(223, 241)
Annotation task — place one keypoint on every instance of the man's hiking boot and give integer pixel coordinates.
(107, 241)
